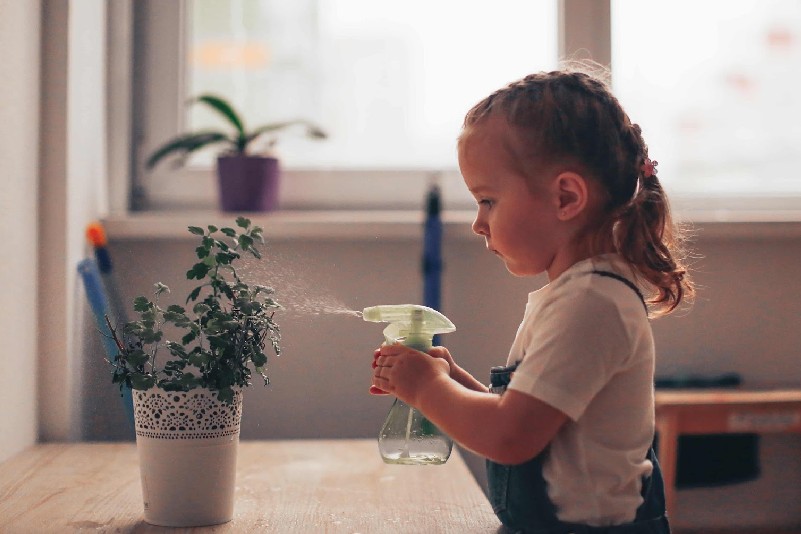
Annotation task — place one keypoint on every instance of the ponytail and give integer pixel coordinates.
(644, 234)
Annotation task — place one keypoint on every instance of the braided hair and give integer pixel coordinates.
(572, 117)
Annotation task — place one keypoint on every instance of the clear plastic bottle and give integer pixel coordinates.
(408, 438)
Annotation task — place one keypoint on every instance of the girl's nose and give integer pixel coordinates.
(479, 226)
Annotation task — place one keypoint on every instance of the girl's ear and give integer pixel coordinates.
(571, 195)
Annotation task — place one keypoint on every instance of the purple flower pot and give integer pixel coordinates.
(248, 183)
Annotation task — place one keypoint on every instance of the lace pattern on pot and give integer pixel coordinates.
(195, 414)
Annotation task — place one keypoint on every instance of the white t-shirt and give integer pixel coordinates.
(586, 348)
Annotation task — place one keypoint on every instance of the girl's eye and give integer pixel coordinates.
(485, 202)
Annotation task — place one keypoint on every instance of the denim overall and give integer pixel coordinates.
(519, 495)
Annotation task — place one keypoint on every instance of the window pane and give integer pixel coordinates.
(714, 86)
(389, 81)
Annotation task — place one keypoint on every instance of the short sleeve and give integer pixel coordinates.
(572, 347)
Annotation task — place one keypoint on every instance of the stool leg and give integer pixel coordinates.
(667, 427)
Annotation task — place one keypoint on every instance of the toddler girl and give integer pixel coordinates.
(564, 186)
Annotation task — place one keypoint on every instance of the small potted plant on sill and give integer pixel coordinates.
(247, 181)
(188, 402)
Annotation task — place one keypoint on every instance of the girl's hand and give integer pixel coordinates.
(406, 372)
(373, 389)
(442, 352)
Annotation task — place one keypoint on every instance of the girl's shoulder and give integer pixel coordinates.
(597, 283)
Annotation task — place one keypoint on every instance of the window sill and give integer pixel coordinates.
(407, 224)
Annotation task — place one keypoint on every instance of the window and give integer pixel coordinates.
(390, 82)
(714, 86)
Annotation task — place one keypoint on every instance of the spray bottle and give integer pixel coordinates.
(407, 437)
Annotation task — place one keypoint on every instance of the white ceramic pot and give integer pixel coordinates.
(187, 445)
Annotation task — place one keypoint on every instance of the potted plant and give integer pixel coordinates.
(247, 181)
(188, 402)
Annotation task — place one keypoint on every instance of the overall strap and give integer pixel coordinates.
(610, 274)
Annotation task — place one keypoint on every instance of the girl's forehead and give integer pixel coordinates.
(492, 139)
(493, 125)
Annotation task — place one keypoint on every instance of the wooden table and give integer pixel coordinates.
(282, 486)
(719, 411)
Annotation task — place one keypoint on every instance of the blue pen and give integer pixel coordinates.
(432, 253)
(96, 296)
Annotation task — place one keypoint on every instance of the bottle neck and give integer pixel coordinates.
(419, 342)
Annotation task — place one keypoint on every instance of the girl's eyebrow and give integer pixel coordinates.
(479, 189)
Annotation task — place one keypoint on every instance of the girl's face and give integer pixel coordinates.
(519, 222)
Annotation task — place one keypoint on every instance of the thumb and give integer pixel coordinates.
(441, 352)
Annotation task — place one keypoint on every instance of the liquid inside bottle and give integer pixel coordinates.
(408, 438)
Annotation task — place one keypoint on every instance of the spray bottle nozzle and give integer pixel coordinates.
(410, 324)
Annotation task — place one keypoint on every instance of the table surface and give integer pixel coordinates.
(282, 486)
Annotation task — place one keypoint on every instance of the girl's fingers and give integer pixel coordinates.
(392, 350)
(382, 361)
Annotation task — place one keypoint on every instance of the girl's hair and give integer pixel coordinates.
(572, 117)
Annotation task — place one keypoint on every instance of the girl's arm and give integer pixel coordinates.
(508, 429)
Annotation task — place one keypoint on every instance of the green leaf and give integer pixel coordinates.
(199, 271)
(194, 294)
(141, 304)
(189, 338)
(199, 359)
(174, 308)
(245, 241)
(242, 222)
(201, 308)
(176, 318)
(142, 381)
(202, 252)
(188, 381)
(176, 349)
(196, 230)
(226, 395)
(137, 357)
(230, 232)
(225, 109)
(259, 359)
(174, 365)
(212, 228)
(186, 144)
(151, 336)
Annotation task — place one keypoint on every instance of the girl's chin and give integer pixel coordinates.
(518, 270)
(513, 269)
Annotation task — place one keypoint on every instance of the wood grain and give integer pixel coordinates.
(282, 486)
